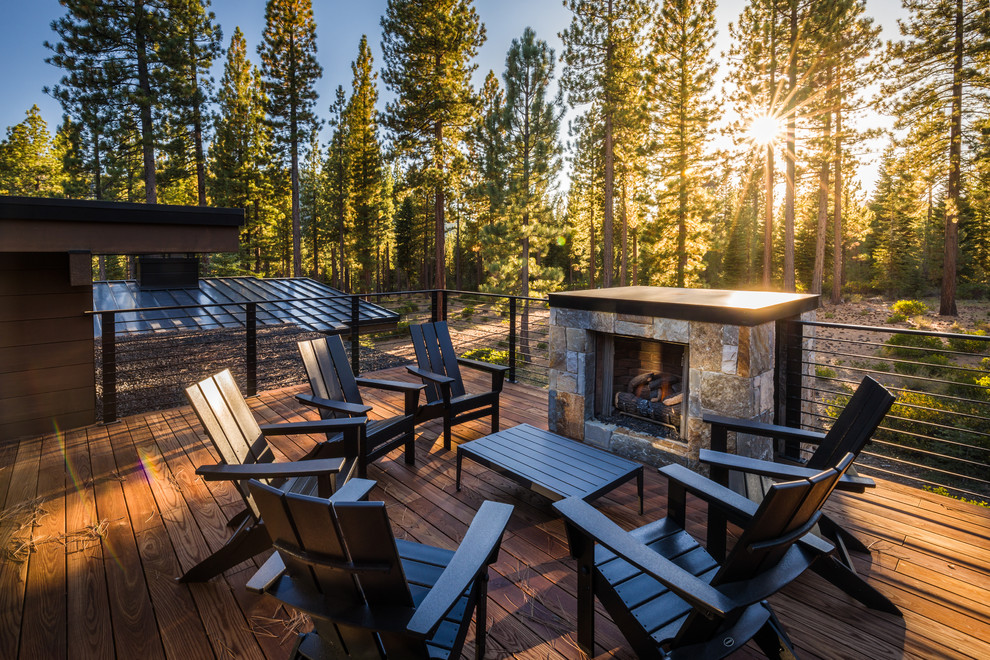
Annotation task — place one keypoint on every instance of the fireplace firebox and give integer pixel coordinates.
(641, 383)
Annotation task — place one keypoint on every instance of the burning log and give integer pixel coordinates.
(655, 410)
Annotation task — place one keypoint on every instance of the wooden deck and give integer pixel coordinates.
(97, 522)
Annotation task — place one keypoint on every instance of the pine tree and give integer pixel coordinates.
(117, 55)
(194, 42)
(683, 79)
(428, 50)
(337, 178)
(365, 161)
(935, 73)
(30, 164)
(241, 149)
(290, 72)
(601, 67)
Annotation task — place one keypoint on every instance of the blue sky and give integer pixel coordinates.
(339, 25)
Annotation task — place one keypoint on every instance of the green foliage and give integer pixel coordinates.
(467, 313)
(490, 355)
(909, 307)
(896, 317)
(968, 345)
(822, 371)
(939, 490)
(902, 345)
(30, 164)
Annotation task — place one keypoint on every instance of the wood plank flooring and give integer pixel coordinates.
(95, 523)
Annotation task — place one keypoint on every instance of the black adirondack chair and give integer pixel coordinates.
(369, 594)
(851, 432)
(669, 596)
(445, 393)
(245, 452)
(336, 394)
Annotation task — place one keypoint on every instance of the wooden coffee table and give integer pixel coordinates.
(551, 465)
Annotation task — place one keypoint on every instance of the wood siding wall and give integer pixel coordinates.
(46, 347)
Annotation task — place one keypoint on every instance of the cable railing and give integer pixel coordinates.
(937, 434)
(145, 357)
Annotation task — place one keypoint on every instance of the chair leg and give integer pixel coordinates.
(495, 417)
(586, 601)
(481, 616)
(410, 443)
(447, 423)
(248, 540)
(854, 585)
(773, 641)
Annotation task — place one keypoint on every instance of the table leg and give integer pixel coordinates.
(457, 480)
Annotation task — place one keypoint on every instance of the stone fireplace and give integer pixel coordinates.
(634, 369)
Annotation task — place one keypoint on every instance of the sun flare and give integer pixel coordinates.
(763, 130)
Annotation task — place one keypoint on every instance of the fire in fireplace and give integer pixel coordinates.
(641, 384)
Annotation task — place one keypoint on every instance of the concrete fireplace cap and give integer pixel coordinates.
(709, 305)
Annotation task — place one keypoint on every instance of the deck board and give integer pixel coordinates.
(117, 597)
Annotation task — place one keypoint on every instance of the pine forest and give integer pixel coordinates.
(637, 153)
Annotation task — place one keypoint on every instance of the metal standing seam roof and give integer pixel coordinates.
(219, 303)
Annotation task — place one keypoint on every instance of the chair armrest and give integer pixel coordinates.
(732, 504)
(313, 468)
(483, 366)
(478, 549)
(595, 526)
(336, 406)
(749, 465)
(429, 375)
(317, 426)
(391, 385)
(764, 430)
(355, 490)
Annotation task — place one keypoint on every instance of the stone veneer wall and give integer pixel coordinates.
(730, 373)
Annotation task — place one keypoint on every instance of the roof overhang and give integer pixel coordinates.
(29, 224)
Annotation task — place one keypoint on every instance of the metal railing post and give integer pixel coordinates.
(108, 342)
(251, 348)
(787, 381)
(443, 305)
(512, 340)
(355, 340)
(434, 305)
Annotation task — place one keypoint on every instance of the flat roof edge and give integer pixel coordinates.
(77, 210)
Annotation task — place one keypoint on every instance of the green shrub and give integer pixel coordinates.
(968, 345)
(490, 355)
(926, 365)
(467, 312)
(973, 291)
(911, 346)
(896, 317)
(909, 308)
(822, 371)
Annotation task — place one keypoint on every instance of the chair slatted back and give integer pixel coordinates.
(345, 553)
(854, 426)
(228, 421)
(435, 352)
(329, 370)
(788, 511)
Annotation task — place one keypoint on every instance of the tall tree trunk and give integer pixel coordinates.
(768, 219)
(591, 258)
(608, 251)
(440, 279)
(682, 207)
(624, 267)
(789, 153)
(198, 133)
(97, 167)
(819, 268)
(837, 263)
(947, 304)
(147, 129)
(296, 221)
(635, 263)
